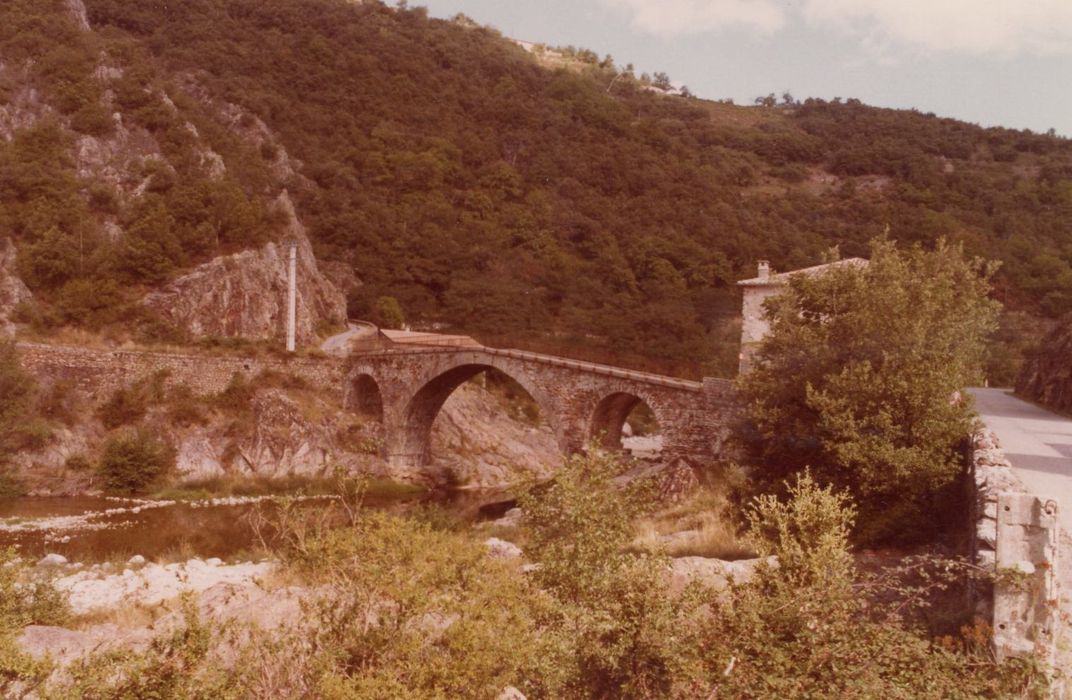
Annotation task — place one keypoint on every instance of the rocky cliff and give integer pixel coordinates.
(245, 294)
(1047, 373)
(12, 290)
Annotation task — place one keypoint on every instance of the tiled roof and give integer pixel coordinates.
(783, 277)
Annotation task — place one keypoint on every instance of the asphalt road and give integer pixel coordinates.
(1037, 442)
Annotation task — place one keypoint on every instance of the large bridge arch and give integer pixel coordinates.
(417, 398)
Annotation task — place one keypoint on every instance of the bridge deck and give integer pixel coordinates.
(604, 370)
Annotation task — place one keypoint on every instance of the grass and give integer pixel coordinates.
(709, 517)
(225, 486)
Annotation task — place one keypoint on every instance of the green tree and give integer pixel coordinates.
(133, 460)
(16, 394)
(389, 313)
(861, 378)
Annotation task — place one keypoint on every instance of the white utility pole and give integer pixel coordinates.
(292, 296)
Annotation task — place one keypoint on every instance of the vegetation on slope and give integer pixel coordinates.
(570, 208)
(86, 92)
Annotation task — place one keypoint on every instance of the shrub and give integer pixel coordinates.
(133, 460)
(129, 404)
(627, 636)
(389, 313)
(236, 396)
(125, 406)
(802, 629)
(19, 428)
(24, 600)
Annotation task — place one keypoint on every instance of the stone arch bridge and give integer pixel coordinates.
(406, 387)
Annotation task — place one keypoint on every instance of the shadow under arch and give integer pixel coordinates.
(366, 399)
(608, 419)
(420, 413)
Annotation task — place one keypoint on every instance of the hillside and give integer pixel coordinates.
(569, 209)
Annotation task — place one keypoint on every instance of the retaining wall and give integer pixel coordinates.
(99, 372)
(1015, 535)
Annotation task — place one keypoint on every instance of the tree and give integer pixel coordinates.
(861, 379)
(133, 460)
(16, 398)
(389, 313)
(662, 81)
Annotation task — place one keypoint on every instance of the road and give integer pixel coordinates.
(1037, 442)
(340, 344)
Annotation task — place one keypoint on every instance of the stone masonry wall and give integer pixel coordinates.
(99, 372)
(1016, 535)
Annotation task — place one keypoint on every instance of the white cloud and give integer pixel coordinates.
(965, 26)
(671, 17)
(992, 27)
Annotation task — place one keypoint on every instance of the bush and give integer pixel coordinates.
(803, 629)
(134, 460)
(125, 406)
(236, 396)
(626, 636)
(389, 313)
(20, 429)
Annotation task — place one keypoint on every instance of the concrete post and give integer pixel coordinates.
(292, 296)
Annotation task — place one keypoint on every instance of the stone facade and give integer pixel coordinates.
(754, 323)
(1016, 535)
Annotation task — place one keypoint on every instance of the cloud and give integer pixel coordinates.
(1002, 27)
(673, 17)
(976, 27)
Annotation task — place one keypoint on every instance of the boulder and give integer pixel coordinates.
(716, 573)
(53, 560)
(501, 549)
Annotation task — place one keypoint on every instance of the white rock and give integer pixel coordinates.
(501, 549)
(52, 560)
(214, 561)
(136, 560)
(511, 693)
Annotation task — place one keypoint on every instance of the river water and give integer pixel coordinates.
(93, 529)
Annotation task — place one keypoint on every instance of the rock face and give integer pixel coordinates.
(245, 294)
(12, 290)
(1047, 375)
(478, 446)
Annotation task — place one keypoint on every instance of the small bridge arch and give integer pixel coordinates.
(610, 414)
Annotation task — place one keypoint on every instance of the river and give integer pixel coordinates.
(94, 529)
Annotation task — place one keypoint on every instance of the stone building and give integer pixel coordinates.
(754, 324)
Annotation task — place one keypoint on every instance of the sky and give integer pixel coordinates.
(989, 62)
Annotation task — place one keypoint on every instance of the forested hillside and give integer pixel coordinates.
(570, 209)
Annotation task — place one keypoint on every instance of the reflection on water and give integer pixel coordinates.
(91, 529)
